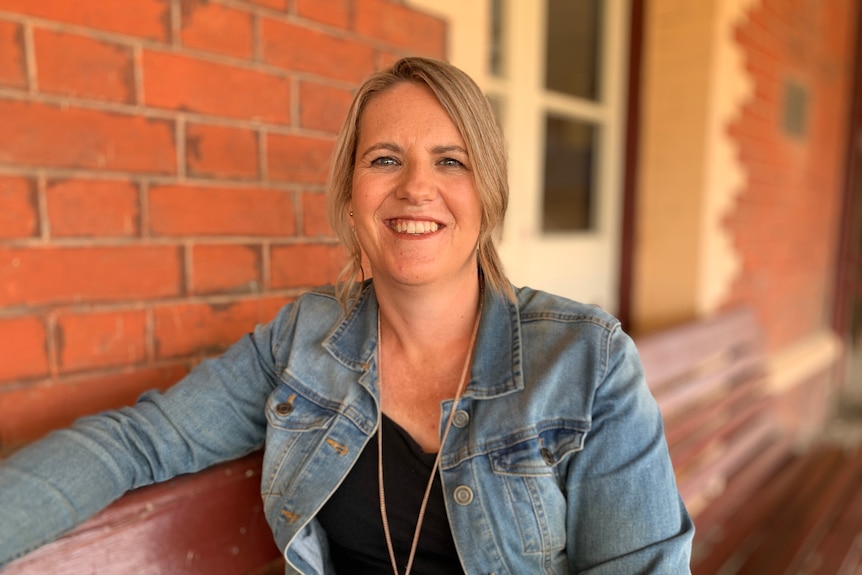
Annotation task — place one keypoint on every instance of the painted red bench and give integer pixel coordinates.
(210, 522)
(708, 378)
(760, 504)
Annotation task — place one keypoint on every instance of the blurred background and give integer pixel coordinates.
(163, 166)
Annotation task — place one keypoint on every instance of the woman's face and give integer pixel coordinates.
(415, 206)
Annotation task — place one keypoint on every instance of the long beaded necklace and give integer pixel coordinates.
(460, 390)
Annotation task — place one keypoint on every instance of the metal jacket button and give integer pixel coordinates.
(461, 418)
(548, 456)
(463, 495)
(284, 408)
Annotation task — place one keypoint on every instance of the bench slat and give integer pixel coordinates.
(677, 398)
(209, 522)
(725, 427)
(690, 422)
(705, 484)
(671, 354)
(707, 377)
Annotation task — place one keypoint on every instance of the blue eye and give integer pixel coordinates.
(451, 163)
(384, 161)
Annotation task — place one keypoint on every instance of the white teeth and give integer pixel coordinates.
(414, 227)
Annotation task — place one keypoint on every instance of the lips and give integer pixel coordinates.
(413, 227)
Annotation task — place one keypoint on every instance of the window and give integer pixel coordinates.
(555, 73)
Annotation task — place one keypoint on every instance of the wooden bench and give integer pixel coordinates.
(210, 522)
(708, 378)
(759, 507)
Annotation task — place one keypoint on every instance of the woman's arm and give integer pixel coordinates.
(625, 513)
(214, 414)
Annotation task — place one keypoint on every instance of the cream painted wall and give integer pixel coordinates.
(467, 36)
(725, 176)
(693, 83)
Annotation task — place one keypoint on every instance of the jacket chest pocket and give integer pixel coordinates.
(296, 427)
(531, 475)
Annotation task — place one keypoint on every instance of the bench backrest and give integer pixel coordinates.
(210, 522)
(708, 378)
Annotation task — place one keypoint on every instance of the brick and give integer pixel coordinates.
(204, 211)
(36, 276)
(93, 208)
(305, 265)
(19, 210)
(301, 159)
(189, 84)
(226, 269)
(25, 348)
(75, 65)
(100, 339)
(401, 27)
(43, 135)
(332, 12)
(315, 220)
(207, 329)
(216, 28)
(296, 48)
(387, 58)
(148, 19)
(322, 107)
(13, 65)
(28, 413)
(222, 151)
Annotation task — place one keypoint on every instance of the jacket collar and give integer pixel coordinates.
(497, 360)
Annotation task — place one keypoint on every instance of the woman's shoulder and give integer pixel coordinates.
(322, 295)
(537, 305)
(318, 304)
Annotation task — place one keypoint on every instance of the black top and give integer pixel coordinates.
(351, 517)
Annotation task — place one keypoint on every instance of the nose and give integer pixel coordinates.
(417, 184)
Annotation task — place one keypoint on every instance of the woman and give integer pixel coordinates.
(431, 419)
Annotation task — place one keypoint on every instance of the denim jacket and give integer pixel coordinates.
(556, 462)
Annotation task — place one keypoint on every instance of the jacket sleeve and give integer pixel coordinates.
(625, 513)
(214, 414)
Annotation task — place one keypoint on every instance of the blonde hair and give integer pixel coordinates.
(471, 113)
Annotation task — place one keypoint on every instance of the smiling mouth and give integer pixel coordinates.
(413, 227)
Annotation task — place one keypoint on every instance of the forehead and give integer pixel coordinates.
(405, 109)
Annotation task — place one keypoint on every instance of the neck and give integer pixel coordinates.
(426, 318)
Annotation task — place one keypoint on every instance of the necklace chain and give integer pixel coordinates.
(464, 373)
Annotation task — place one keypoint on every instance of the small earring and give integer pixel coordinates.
(350, 213)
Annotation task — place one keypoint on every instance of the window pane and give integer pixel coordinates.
(570, 150)
(573, 42)
(496, 64)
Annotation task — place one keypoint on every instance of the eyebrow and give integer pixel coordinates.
(450, 148)
(380, 146)
(396, 148)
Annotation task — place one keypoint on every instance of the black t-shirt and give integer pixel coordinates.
(351, 517)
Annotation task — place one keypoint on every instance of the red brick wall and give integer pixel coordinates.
(786, 222)
(162, 167)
